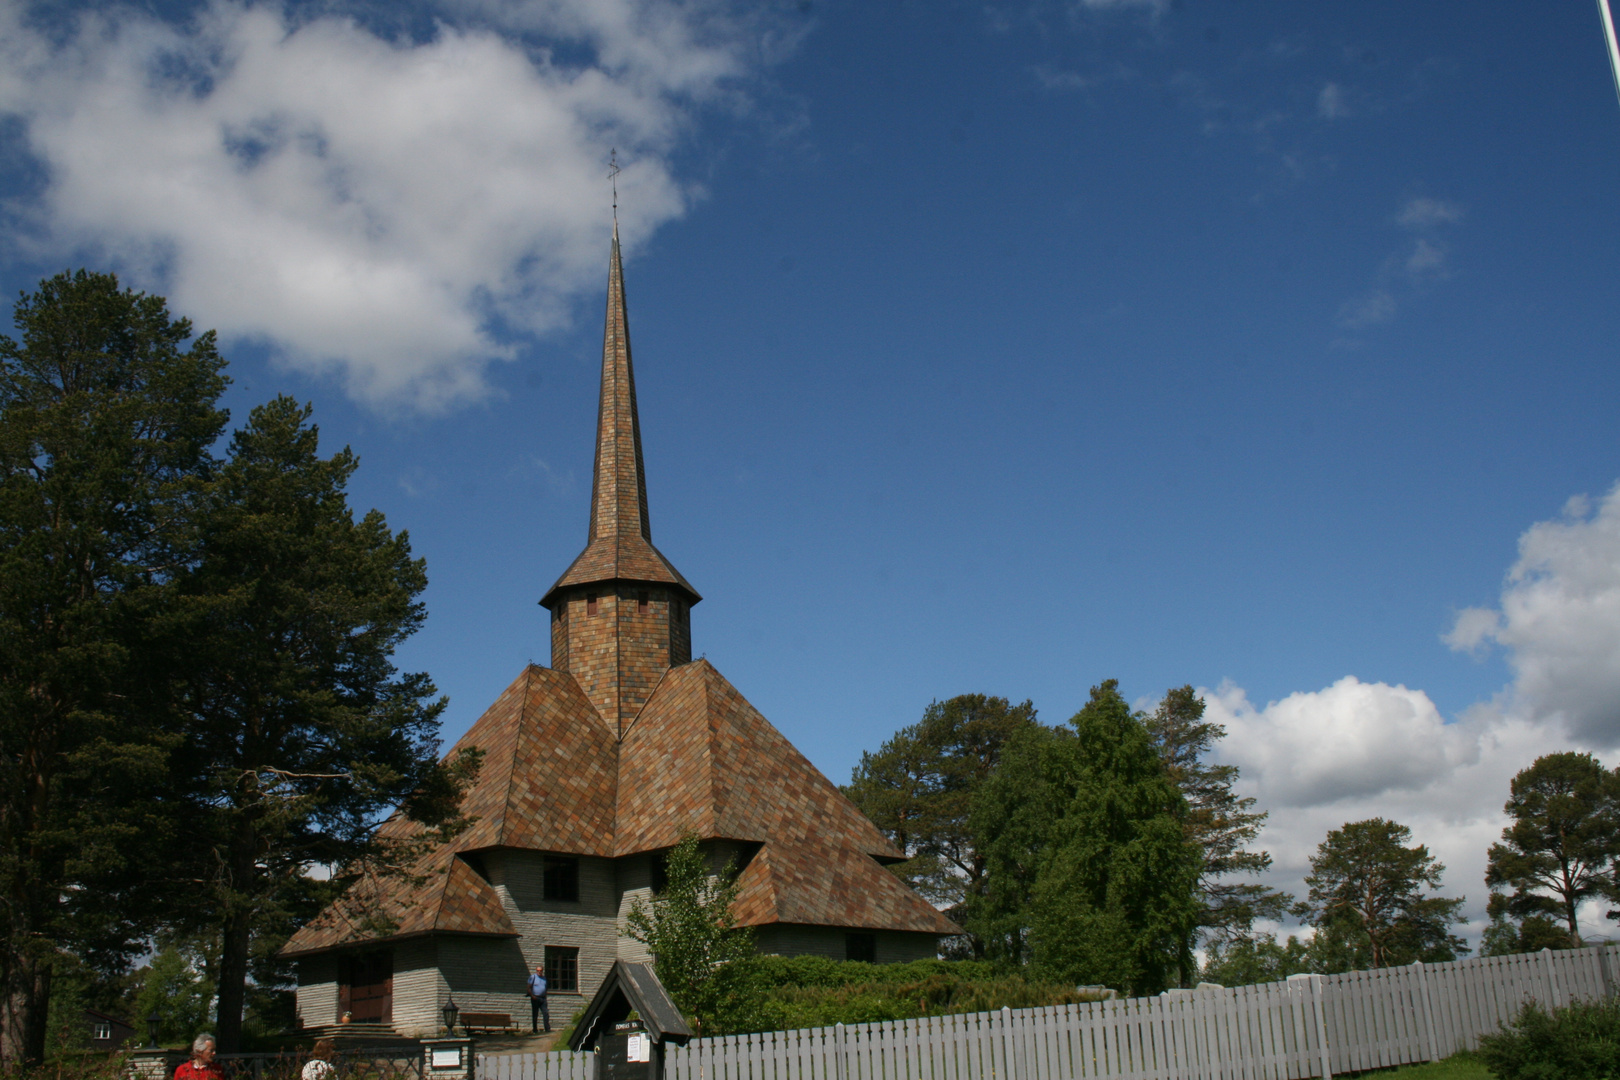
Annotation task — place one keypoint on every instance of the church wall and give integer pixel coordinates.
(318, 990)
(635, 881)
(589, 924)
(482, 974)
(419, 989)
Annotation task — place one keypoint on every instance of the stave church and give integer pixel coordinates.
(593, 768)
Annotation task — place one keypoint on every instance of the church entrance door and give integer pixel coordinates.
(366, 987)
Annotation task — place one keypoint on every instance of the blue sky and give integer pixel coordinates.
(998, 347)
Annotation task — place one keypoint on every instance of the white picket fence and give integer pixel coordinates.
(1309, 1026)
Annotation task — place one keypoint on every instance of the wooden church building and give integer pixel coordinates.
(593, 768)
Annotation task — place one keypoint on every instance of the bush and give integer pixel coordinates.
(775, 993)
(1578, 1042)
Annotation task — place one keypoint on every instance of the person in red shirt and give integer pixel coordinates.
(201, 1066)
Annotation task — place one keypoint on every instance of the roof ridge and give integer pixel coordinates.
(517, 740)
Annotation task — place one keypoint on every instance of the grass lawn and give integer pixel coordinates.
(1456, 1067)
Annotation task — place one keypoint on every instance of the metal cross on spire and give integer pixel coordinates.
(613, 175)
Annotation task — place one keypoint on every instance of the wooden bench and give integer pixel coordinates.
(477, 1021)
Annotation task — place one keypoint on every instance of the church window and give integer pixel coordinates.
(590, 604)
(641, 602)
(562, 969)
(561, 878)
(862, 947)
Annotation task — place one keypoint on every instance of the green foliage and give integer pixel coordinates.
(175, 989)
(1505, 936)
(299, 731)
(1217, 820)
(1578, 1042)
(105, 421)
(918, 789)
(1243, 961)
(692, 934)
(1565, 833)
(1367, 897)
(774, 993)
(1090, 878)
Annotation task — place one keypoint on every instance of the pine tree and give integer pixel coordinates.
(106, 417)
(1090, 876)
(918, 789)
(299, 730)
(1220, 822)
(1367, 894)
(1564, 835)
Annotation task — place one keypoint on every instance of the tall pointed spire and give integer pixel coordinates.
(619, 491)
(619, 544)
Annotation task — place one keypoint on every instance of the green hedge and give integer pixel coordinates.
(774, 993)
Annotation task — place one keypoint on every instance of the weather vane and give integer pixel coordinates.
(613, 175)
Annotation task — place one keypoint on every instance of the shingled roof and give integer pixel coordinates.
(446, 896)
(700, 759)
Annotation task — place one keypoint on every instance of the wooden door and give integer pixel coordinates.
(366, 987)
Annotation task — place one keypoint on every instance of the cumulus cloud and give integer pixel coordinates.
(1355, 750)
(1559, 620)
(382, 210)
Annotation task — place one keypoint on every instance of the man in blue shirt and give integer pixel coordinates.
(537, 1000)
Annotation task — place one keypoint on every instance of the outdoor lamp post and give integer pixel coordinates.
(152, 1023)
(450, 1011)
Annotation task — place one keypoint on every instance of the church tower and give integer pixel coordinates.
(620, 613)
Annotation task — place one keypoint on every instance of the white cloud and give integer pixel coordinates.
(1559, 619)
(1356, 750)
(1427, 259)
(1423, 213)
(1405, 271)
(1376, 307)
(372, 208)
(1330, 103)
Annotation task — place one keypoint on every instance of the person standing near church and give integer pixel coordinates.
(537, 1000)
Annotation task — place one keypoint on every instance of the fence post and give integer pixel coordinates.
(1009, 1046)
(1426, 1011)
(1324, 1052)
(1547, 974)
(838, 1051)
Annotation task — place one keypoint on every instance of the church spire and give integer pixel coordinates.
(618, 546)
(619, 490)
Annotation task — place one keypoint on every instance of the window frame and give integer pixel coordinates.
(559, 879)
(557, 960)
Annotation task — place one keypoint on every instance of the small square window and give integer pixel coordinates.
(562, 969)
(862, 947)
(101, 1031)
(561, 878)
(590, 605)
